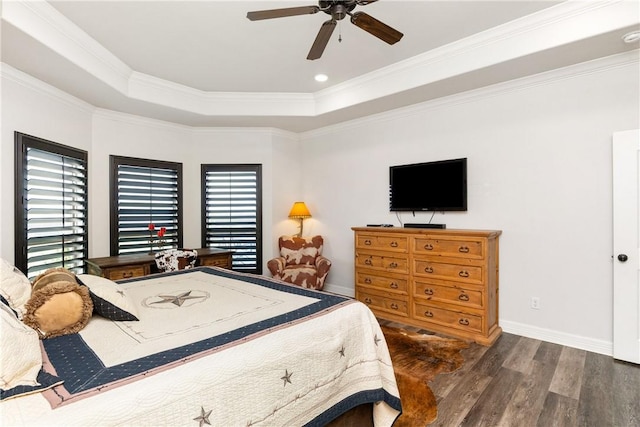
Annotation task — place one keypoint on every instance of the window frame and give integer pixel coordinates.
(23, 142)
(257, 168)
(116, 161)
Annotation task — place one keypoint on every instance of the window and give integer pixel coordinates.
(51, 228)
(232, 213)
(145, 192)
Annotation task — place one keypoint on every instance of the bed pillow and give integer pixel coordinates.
(58, 274)
(58, 308)
(109, 299)
(20, 358)
(15, 288)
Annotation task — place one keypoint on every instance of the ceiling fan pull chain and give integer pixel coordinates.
(339, 31)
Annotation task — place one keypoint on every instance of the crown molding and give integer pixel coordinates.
(626, 59)
(558, 25)
(11, 74)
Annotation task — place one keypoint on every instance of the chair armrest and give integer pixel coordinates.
(322, 265)
(276, 266)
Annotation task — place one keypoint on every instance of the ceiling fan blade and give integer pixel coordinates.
(281, 13)
(365, 2)
(322, 39)
(375, 27)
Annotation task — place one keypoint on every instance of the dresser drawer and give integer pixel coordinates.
(388, 302)
(448, 294)
(450, 318)
(438, 270)
(394, 264)
(367, 278)
(382, 242)
(449, 247)
(126, 272)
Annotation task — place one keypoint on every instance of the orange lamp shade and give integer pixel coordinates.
(299, 211)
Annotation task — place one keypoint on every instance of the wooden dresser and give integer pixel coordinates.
(440, 280)
(136, 265)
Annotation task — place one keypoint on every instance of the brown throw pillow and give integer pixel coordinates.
(58, 308)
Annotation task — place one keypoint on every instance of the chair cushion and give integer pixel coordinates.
(301, 275)
(300, 250)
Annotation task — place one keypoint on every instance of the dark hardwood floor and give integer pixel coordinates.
(525, 382)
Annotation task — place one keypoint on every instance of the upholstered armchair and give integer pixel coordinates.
(301, 261)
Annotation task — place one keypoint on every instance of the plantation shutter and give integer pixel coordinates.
(232, 213)
(51, 218)
(146, 192)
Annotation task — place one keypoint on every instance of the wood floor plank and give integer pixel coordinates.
(626, 398)
(596, 400)
(442, 384)
(454, 408)
(492, 360)
(488, 409)
(521, 357)
(568, 376)
(558, 411)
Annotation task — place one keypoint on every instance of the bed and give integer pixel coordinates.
(214, 347)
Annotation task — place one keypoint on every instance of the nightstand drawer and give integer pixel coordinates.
(215, 261)
(125, 272)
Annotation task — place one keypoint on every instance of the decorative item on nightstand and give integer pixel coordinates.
(299, 211)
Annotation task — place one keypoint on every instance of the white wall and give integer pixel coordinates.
(539, 169)
(31, 107)
(539, 155)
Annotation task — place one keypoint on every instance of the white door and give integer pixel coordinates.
(626, 246)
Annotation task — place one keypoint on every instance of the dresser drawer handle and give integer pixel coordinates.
(394, 244)
(367, 281)
(428, 291)
(463, 249)
(368, 261)
(463, 273)
(393, 265)
(393, 285)
(367, 242)
(428, 314)
(463, 297)
(394, 306)
(428, 269)
(428, 247)
(464, 322)
(127, 275)
(367, 300)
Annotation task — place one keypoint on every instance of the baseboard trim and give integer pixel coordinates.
(556, 337)
(341, 290)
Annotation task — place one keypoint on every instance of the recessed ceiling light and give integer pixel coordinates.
(321, 77)
(631, 37)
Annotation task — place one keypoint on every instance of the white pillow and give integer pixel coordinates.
(14, 287)
(109, 299)
(20, 356)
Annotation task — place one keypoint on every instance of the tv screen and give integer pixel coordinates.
(431, 186)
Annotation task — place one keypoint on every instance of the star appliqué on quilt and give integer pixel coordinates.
(175, 299)
(203, 418)
(287, 377)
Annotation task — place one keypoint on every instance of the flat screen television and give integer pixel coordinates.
(430, 186)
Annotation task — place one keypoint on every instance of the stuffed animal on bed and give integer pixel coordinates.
(58, 304)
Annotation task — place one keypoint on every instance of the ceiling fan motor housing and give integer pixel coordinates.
(337, 9)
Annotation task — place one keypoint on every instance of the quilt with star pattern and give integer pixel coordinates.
(217, 347)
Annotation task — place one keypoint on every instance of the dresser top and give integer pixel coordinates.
(431, 231)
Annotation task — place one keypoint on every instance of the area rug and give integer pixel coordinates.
(417, 359)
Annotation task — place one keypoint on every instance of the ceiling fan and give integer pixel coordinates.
(338, 11)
